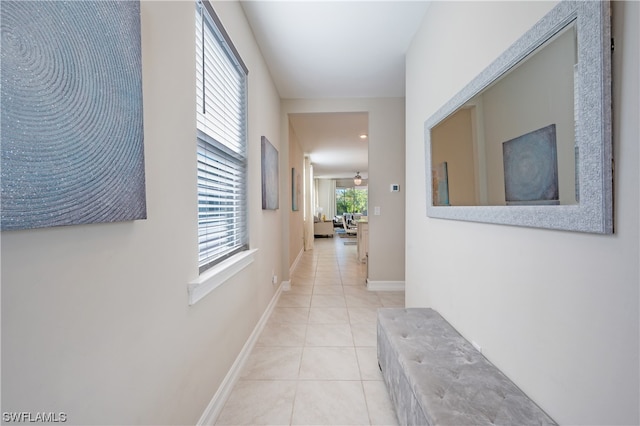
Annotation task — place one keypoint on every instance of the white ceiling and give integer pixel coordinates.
(335, 49)
(333, 142)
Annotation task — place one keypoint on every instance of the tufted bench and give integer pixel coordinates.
(436, 377)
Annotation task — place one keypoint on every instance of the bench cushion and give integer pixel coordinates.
(435, 376)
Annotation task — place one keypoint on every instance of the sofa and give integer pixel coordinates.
(323, 229)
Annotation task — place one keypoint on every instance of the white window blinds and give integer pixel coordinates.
(221, 123)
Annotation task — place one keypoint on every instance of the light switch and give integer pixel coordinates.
(376, 211)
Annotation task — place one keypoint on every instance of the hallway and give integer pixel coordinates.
(315, 362)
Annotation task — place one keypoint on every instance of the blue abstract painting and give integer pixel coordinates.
(270, 180)
(296, 189)
(531, 168)
(72, 123)
(440, 182)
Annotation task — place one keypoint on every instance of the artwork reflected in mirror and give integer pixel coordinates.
(440, 182)
(531, 168)
(509, 117)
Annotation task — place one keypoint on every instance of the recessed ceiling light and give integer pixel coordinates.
(363, 136)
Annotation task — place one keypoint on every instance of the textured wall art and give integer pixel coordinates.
(72, 131)
(440, 182)
(531, 168)
(270, 182)
(296, 189)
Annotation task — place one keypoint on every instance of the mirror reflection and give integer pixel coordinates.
(513, 143)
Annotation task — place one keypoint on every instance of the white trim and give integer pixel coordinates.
(217, 275)
(216, 404)
(295, 262)
(385, 285)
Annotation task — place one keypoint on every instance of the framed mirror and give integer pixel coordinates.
(528, 141)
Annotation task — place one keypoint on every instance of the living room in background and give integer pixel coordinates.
(222, 140)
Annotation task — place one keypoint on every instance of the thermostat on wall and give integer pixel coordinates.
(395, 187)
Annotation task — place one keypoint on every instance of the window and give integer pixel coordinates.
(351, 200)
(222, 155)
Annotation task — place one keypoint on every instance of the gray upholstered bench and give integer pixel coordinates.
(436, 377)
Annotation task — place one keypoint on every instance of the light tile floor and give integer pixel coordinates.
(315, 362)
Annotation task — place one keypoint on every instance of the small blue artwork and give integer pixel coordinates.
(531, 168)
(270, 181)
(440, 183)
(71, 98)
(295, 189)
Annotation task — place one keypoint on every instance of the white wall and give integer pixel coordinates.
(95, 320)
(296, 219)
(556, 311)
(386, 166)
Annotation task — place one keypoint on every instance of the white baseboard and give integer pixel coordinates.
(216, 404)
(385, 285)
(295, 262)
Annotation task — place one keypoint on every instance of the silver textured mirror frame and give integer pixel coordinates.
(592, 105)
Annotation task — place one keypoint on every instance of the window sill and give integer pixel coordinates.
(216, 276)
